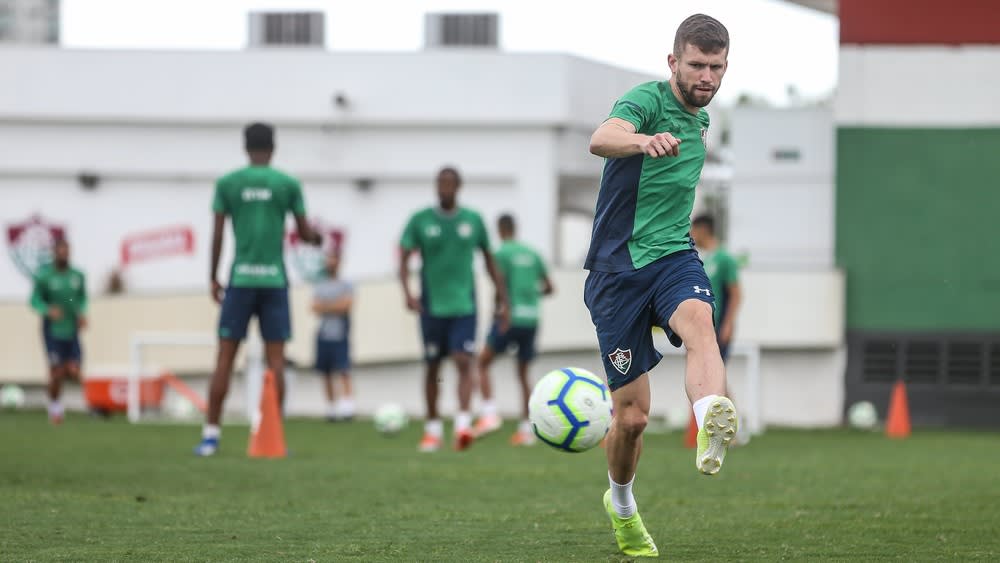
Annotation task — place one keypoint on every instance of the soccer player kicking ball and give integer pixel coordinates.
(257, 198)
(60, 296)
(644, 271)
(447, 237)
(527, 279)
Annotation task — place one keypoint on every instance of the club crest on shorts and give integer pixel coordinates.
(621, 359)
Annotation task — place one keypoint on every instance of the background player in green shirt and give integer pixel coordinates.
(447, 237)
(724, 273)
(527, 280)
(60, 297)
(257, 198)
(644, 271)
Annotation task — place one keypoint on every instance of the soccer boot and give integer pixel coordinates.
(429, 443)
(486, 424)
(208, 447)
(630, 533)
(523, 439)
(718, 430)
(463, 439)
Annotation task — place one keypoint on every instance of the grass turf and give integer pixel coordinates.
(93, 490)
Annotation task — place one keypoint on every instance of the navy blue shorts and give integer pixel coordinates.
(625, 306)
(447, 335)
(521, 336)
(62, 351)
(268, 304)
(332, 356)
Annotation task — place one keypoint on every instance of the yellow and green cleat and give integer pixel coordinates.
(631, 534)
(717, 433)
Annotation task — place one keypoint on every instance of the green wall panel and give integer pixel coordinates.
(918, 227)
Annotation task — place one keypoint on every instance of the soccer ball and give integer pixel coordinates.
(11, 397)
(390, 419)
(862, 415)
(570, 409)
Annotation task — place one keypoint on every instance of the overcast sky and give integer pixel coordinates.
(774, 44)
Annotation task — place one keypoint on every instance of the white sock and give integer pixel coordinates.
(55, 408)
(434, 427)
(333, 409)
(463, 421)
(700, 407)
(488, 408)
(621, 497)
(210, 431)
(346, 407)
(525, 427)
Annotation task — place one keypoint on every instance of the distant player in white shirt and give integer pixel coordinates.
(332, 301)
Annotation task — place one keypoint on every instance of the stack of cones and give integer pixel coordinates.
(897, 421)
(267, 435)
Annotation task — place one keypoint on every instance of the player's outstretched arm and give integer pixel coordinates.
(306, 232)
(218, 225)
(412, 303)
(617, 138)
(503, 304)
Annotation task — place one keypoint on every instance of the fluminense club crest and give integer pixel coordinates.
(309, 260)
(621, 359)
(29, 244)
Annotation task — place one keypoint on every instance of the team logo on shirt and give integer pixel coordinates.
(621, 359)
(704, 138)
(30, 244)
(464, 230)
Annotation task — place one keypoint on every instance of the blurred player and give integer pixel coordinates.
(724, 273)
(526, 279)
(643, 269)
(60, 296)
(332, 301)
(447, 237)
(257, 198)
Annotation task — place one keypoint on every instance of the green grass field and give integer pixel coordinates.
(93, 490)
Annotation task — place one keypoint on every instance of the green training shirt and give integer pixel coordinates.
(644, 205)
(523, 271)
(722, 271)
(257, 199)
(447, 244)
(66, 289)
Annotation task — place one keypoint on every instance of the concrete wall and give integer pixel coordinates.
(801, 364)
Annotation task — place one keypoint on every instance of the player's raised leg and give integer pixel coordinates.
(624, 444)
(524, 436)
(433, 427)
(705, 381)
(218, 389)
(463, 419)
(56, 374)
(489, 420)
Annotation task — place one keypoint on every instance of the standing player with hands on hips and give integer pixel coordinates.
(644, 271)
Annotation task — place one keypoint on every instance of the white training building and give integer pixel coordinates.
(121, 149)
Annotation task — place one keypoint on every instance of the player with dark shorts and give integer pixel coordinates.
(257, 198)
(447, 237)
(527, 280)
(644, 271)
(724, 273)
(60, 296)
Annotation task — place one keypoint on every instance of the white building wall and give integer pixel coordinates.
(782, 211)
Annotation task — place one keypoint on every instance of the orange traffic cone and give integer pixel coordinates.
(267, 436)
(897, 423)
(691, 436)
